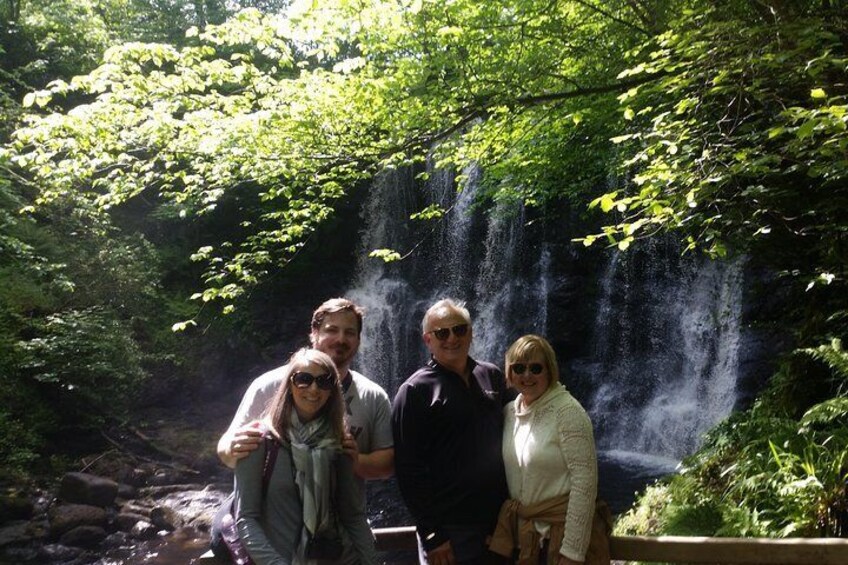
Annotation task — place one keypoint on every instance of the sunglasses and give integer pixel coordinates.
(305, 380)
(443, 333)
(521, 368)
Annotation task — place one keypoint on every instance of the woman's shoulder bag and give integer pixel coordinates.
(225, 542)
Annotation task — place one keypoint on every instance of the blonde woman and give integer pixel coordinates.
(310, 508)
(550, 462)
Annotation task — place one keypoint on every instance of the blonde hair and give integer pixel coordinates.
(278, 412)
(524, 348)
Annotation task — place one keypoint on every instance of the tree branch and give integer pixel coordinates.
(623, 85)
(616, 19)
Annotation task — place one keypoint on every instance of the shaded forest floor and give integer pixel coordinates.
(183, 437)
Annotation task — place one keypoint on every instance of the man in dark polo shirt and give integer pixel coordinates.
(447, 420)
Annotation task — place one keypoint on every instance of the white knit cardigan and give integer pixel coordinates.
(548, 451)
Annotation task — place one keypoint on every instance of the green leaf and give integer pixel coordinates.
(775, 131)
(806, 129)
(182, 326)
(387, 255)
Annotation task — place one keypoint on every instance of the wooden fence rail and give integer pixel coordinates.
(672, 549)
(678, 549)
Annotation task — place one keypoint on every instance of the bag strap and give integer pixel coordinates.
(272, 448)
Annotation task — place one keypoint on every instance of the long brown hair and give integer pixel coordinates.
(278, 412)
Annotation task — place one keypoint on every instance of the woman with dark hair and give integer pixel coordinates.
(551, 466)
(309, 509)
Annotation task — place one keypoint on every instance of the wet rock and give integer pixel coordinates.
(15, 507)
(82, 488)
(16, 533)
(197, 508)
(144, 530)
(83, 536)
(127, 492)
(135, 476)
(165, 518)
(125, 521)
(135, 508)
(66, 517)
(116, 539)
(167, 477)
(20, 554)
(58, 552)
(158, 491)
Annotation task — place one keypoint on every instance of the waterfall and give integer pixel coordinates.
(649, 340)
(666, 356)
(482, 257)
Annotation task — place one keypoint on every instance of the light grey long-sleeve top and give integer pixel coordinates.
(271, 528)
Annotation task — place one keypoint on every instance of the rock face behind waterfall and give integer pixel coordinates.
(657, 344)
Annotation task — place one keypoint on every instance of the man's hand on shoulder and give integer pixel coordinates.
(351, 449)
(240, 443)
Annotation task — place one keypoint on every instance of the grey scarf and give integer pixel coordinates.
(313, 450)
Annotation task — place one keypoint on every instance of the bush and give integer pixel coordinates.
(764, 472)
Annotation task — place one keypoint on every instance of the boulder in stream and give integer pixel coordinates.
(87, 537)
(65, 517)
(83, 488)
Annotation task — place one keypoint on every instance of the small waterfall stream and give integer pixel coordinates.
(481, 258)
(659, 359)
(665, 360)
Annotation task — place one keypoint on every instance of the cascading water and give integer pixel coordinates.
(667, 347)
(481, 258)
(664, 360)
(660, 354)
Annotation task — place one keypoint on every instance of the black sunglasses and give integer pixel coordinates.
(520, 368)
(302, 379)
(443, 333)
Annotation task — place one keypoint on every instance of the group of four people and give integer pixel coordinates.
(492, 467)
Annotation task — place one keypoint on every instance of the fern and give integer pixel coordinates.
(836, 358)
(833, 355)
(826, 412)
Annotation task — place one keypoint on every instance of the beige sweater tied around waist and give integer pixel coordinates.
(516, 527)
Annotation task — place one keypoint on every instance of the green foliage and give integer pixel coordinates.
(740, 142)
(87, 373)
(724, 122)
(282, 116)
(647, 517)
(387, 255)
(764, 472)
(694, 520)
(836, 358)
(85, 320)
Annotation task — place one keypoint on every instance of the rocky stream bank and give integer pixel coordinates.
(148, 497)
